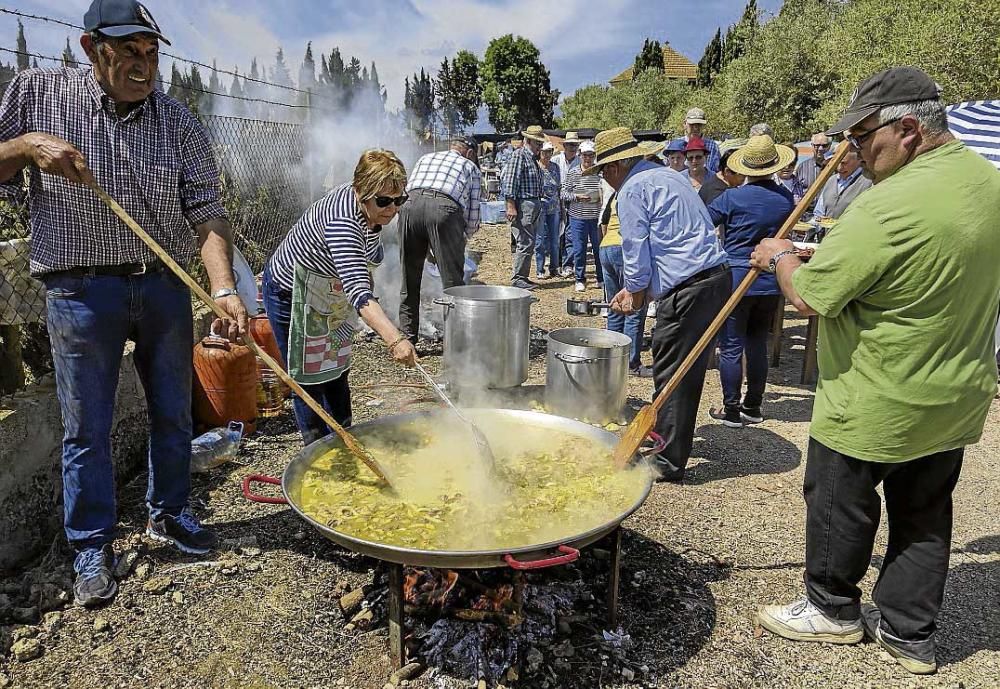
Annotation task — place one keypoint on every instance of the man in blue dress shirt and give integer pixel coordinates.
(673, 255)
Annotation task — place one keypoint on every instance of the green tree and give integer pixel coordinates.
(237, 107)
(710, 63)
(23, 61)
(644, 103)
(279, 72)
(650, 57)
(68, 58)
(741, 34)
(516, 86)
(419, 105)
(307, 72)
(465, 70)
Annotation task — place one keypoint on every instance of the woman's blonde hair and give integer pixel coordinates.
(378, 168)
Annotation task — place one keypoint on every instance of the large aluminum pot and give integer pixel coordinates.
(529, 556)
(587, 373)
(486, 335)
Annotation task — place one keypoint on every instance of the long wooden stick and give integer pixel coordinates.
(350, 441)
(644, 421)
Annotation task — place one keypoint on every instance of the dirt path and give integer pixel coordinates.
(700, 557)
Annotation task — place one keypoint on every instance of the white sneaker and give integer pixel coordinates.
(581, 287)
(803, 621)
(565, 272)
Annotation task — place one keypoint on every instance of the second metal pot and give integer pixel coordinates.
(587, 373)
(486, 335)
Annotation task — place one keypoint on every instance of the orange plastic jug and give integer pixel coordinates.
(225, 384)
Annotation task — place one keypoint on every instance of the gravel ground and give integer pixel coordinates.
(699, 558)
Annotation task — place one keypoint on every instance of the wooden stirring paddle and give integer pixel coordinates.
(352, 443)
(645, 420)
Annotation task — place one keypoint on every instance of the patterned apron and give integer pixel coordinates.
(322, 328)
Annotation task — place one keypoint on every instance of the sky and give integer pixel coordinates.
(581, 41)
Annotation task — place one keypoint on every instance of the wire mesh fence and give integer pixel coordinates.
(265, 180)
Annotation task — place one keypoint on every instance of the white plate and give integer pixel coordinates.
(805, 245)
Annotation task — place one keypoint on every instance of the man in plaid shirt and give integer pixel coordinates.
(521, 187)
(66, 128)
(445, 189)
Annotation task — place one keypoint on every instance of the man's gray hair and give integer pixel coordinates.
(762, 129)
(930, 113)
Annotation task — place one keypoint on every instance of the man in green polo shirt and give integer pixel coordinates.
(907, 289)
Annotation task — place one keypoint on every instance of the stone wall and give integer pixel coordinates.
(30, 456)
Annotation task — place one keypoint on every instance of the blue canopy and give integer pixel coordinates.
(977, 124)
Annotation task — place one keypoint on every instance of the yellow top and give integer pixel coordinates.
(613, 237)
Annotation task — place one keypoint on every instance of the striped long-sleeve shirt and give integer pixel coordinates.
(578, 183)
(454, 175)
(332, 239)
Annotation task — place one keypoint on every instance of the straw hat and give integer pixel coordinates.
(652, 148)
(615, 144)
(760, 157)
(572, 138)
(535, 133)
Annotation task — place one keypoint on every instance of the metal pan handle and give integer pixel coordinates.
(254, 497)
(568, 555)
(571, 359)
(659, 444)
(447, 303)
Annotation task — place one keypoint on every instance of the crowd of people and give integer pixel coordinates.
(904, 285)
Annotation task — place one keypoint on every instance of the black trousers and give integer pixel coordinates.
(682, 317)
(429, 220)
(842, 517)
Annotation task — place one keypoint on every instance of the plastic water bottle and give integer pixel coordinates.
(270, 392)
(215, 447)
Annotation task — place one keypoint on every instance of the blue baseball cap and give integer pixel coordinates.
(676, 146)
(117, 18)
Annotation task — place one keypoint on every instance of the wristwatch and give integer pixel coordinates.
(224, 292)
(772, 265)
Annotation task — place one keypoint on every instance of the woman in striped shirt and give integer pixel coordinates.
(317, 279)
(582, 193)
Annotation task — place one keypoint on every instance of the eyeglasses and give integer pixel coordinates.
(696, 156)
(383, 201)
(857, 139)
(821, 145)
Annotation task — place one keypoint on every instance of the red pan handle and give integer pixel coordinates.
(568, 555)
(254, 497)
(659, 444)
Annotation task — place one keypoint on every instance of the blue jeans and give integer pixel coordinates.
(745, 331)
(334, 396)
(89, 319)
(580, 231)
(547, 244)
(613, 263)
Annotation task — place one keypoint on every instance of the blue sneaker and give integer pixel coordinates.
(183, 531)
(95, 584)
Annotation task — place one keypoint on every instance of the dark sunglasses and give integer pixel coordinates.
(857, 139)
(383, 201)
(821, 145)
(695, 156)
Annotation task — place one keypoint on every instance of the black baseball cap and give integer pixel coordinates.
(890, 87)
(117, 18)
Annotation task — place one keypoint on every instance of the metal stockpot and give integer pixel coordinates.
(587, 373)
(486, 335)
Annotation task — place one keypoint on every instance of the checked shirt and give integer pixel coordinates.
(454, 175)
(156, 162)
(521, 178)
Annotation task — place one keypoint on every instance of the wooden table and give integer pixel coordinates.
(809, 368)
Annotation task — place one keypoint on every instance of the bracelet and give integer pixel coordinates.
(395, 342)
(773, 263)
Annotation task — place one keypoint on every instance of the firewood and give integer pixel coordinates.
(350, 602)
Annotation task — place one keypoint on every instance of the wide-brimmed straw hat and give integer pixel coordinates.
(652, 148)
(535, 133)
(760, 157)
(572, 138)
(615, 144)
